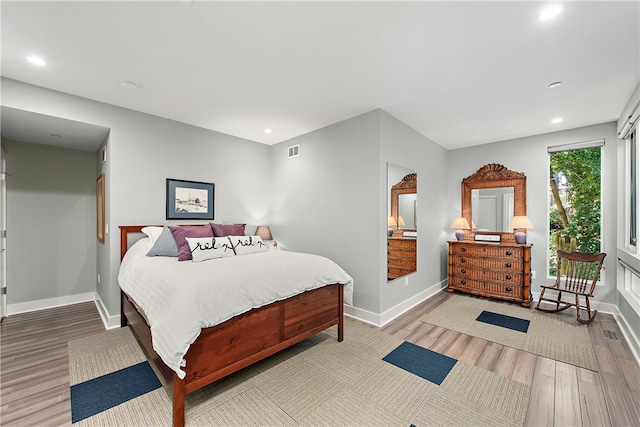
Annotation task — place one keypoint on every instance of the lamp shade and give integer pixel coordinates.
(391, 222)
(264, 232)
(400, 221)
(460, 224)
(520, 222)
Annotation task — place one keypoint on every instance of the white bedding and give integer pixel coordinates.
(180, 298)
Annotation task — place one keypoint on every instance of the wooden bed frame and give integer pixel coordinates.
(241, 341)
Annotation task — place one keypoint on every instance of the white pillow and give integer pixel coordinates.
(204, 248)
(244, 245)
(153, 233)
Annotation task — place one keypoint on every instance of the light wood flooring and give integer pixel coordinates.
(34, 371)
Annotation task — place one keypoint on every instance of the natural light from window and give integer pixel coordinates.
(575, 188)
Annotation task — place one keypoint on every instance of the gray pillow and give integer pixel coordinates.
(165, 245)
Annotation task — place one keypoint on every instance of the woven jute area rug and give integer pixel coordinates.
(319, 382)
(557, 336)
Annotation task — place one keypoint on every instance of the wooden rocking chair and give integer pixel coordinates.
(578, 273)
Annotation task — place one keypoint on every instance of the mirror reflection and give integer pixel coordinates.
(492, 209)
(407, 206)
(402, 229)
(491, 197)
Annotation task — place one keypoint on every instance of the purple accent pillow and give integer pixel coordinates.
(224, 230)
(181, 232)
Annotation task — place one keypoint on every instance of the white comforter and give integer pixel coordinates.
(181, 298)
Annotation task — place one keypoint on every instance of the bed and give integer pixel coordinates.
(231, 339)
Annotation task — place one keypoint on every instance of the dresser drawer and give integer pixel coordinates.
(488, 251)
(397, 271)
(409, 263)
(497, 270)
(496, 264)
(401, 257)
(408, 244)
(481, 287)
(513, 277)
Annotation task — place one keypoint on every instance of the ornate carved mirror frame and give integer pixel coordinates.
(408, 185)
(494, 175)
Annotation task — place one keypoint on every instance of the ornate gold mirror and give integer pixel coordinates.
(402, 223)
(404, 202)
(493, 182)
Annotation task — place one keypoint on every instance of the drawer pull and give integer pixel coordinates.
(508, 277)
(508, 289)
(463, 249)
(463, 271)
(463, 282)
(509, 253)
(508, 265)
(463, 260)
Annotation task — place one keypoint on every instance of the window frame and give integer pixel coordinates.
(632, 159)
(570, 147)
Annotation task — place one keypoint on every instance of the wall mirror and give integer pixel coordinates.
(492, 208)
(491, 197)
(402, 229)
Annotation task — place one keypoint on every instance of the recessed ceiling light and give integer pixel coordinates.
(557, 120)
(554, 84)
(36, 60)
(128, 84)
(550, 12)
(267, 130)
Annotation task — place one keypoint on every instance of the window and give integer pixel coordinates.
(575, 184)
(632, 193)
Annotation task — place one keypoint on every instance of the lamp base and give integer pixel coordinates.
(520, 236)
(460, 234)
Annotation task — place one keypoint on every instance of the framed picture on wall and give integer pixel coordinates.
(189, 199)
(100, 221)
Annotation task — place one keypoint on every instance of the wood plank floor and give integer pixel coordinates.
(34, 372)
(561, 394)
(34, 363)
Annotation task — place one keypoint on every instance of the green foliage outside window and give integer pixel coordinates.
(576, 175)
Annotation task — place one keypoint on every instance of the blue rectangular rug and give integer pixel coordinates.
(504, 321)
(99, 394)
(420, 361)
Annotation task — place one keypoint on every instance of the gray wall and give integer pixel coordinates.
(327, 200)
(333, 201)
(143, 151)
(402, 145)
(529, 155)
(51, 242)
(631, 315)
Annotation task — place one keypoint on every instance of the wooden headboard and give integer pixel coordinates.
(125, 230)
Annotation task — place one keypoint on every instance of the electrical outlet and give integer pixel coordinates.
(533, 275)
(98, 277)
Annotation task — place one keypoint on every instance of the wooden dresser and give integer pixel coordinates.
(401, 256)
(496, 270)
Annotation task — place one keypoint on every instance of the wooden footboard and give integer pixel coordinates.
(243, 340)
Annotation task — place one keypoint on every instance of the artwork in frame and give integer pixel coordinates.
(189, 199)
(100, 220)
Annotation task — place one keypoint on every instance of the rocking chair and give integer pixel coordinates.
(578, 273)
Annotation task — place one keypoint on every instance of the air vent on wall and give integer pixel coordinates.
(294, 151)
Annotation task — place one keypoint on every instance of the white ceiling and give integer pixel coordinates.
(461, 73)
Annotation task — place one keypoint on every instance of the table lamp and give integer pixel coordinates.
(460, 224)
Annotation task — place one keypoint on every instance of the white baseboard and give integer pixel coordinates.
(386, 317)
(42, 304)
(629, 335)
(110, 322)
